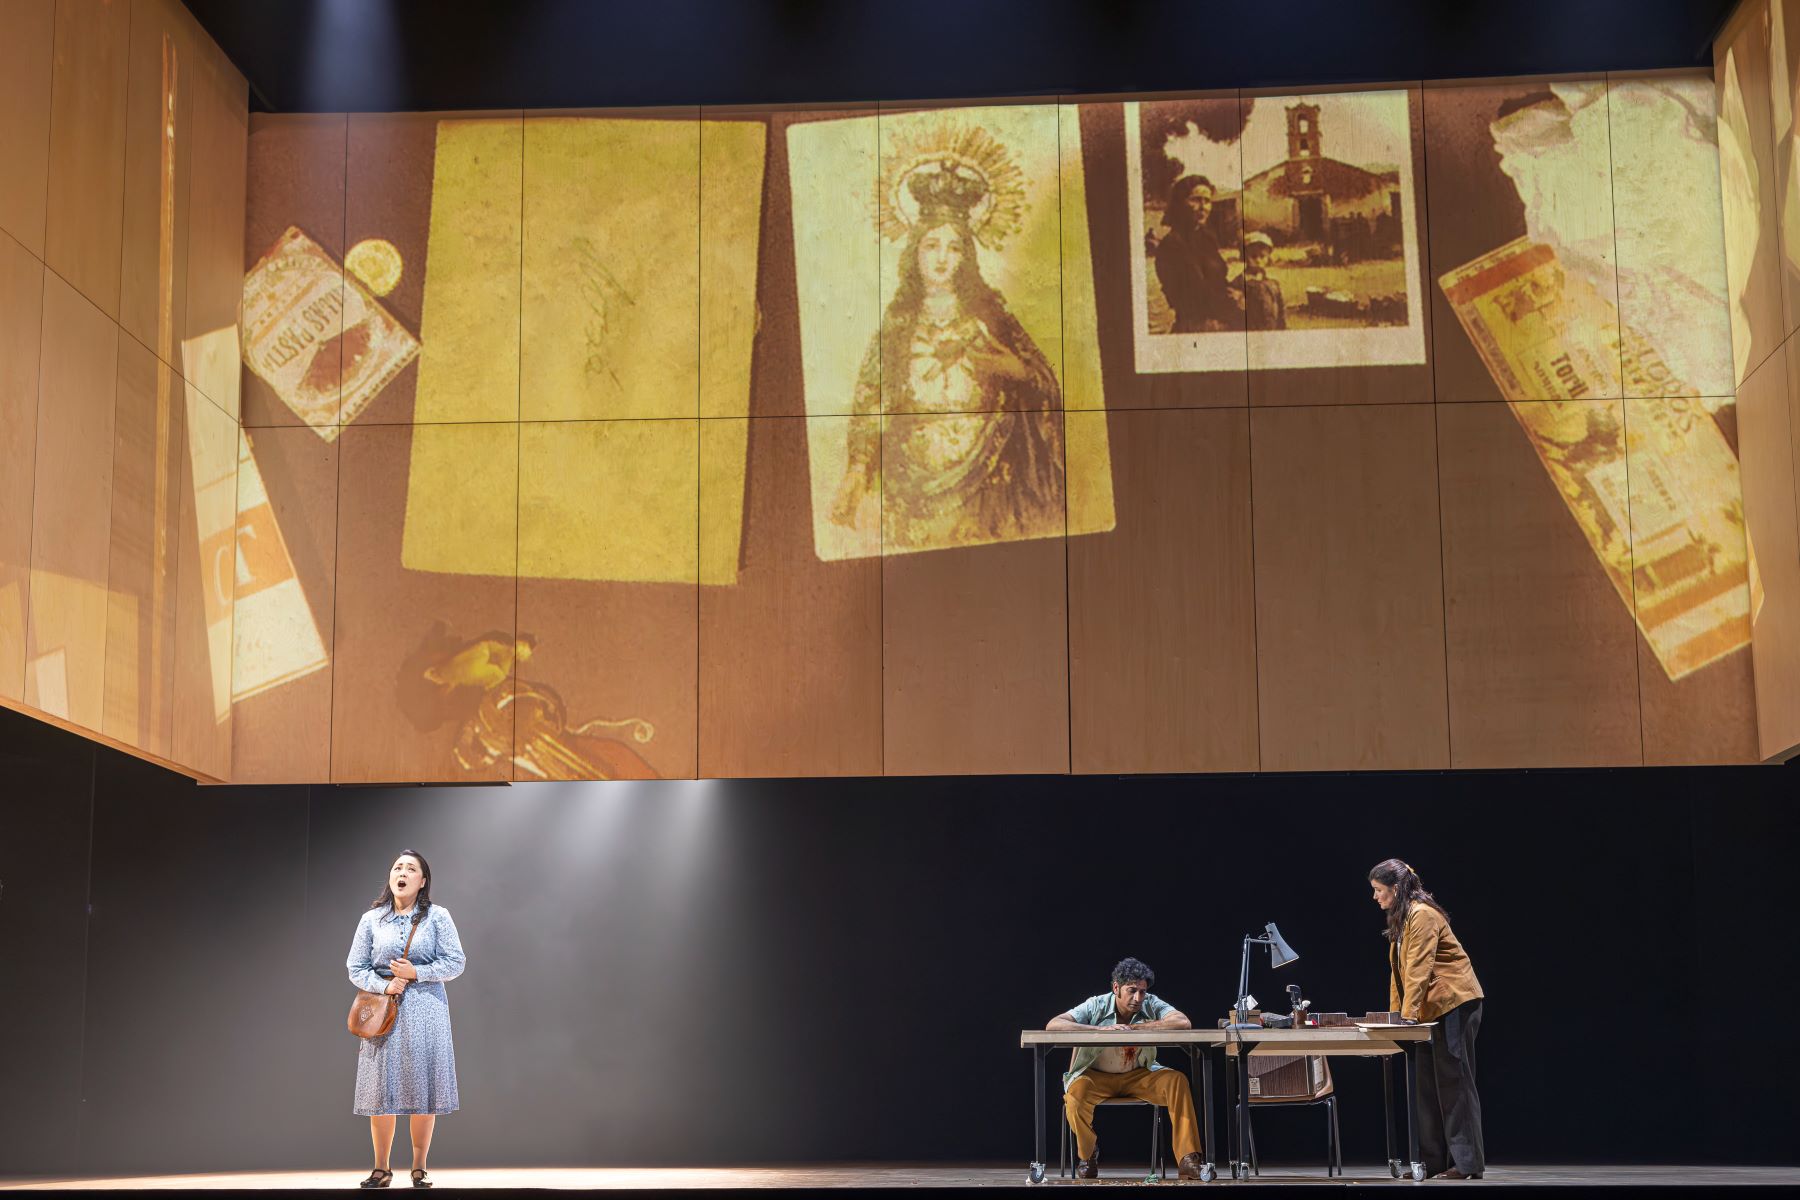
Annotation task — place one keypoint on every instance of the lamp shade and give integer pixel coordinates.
(1280, 953)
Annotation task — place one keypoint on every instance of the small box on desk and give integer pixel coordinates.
(1383, 1018)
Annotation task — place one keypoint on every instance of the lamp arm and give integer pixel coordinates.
(1243, 976)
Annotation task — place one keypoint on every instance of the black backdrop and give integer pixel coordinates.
(735, 972)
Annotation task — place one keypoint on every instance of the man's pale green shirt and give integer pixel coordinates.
(1104, 1010)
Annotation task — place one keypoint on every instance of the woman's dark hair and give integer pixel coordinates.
(423, 902)
(1130, 969)
(1179, 191)
(977, 298)
(1395, 873)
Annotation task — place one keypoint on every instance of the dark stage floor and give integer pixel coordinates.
(894, 1176)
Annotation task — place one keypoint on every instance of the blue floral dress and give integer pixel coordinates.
(411, 1071)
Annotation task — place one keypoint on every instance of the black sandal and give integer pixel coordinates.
(418, 1177)
(378, 1178)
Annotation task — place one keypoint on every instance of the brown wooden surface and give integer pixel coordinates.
(1475, 208)
(215, 279)
(975, 660)
(38, 714)
(201, 736)
(1765, 441)
(296, 171)
(790, 656)
(1349, 589)
(86, 193)
(141, 571)
(1380, 384)
(1162, 624)
(284, 735)
(1791, 363)
(1746, 39)
(1541, 649)
(153, 279)
(392, 623)
(71, 501)
(21, 331)
(1786, 52)
(27, 38)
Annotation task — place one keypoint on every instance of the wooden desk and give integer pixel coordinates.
(1195, 1043)
(1198, 1044)
(1379, 1041)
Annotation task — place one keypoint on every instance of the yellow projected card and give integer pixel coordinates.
(616, 328)
(609, 500)
(611, 273)
(469, 326)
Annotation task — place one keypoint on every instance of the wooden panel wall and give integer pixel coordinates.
(123, 130)
(1756, 61)
(1378, 529)
(631, 444)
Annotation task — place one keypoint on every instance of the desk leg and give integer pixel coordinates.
(1231, 1145)
(1412, 1111)
(1038, 1054)
(1241, 1169)
(1200, 1082)
(1387, 1107)
(1208, 1172)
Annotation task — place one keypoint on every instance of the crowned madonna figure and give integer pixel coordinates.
(957, 428)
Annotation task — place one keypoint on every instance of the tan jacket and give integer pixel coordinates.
(1428, 972)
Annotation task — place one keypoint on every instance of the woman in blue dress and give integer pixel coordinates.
(411, 1070)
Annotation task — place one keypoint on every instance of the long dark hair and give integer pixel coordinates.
(977, 298)
(420, 905)
(1408, 891)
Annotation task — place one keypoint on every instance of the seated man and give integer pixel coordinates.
(1099, 1073)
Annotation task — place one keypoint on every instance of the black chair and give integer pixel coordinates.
(1065, 1156)
(1301, 1082)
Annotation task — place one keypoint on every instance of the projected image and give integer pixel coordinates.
(1745, 146)
(1288, 218)
(953, 388)
(314, 331)
(477, 685)
(1566, 307)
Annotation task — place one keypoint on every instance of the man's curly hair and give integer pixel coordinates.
(1130, 969)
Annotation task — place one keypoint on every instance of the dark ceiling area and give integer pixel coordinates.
(376, 55)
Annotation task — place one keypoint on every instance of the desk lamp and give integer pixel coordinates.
(1280, 955)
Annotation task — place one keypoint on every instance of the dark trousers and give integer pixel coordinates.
(1449, 1115)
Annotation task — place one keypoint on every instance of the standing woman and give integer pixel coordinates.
(1430, 979)
(411, 1070)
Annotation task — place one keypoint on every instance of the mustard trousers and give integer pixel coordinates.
(1166, 1089)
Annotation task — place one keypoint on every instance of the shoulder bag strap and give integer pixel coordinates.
(407, 949)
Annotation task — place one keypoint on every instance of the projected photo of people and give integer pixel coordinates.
(1286, 219)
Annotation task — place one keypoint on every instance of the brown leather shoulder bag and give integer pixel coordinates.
(372, 1013)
